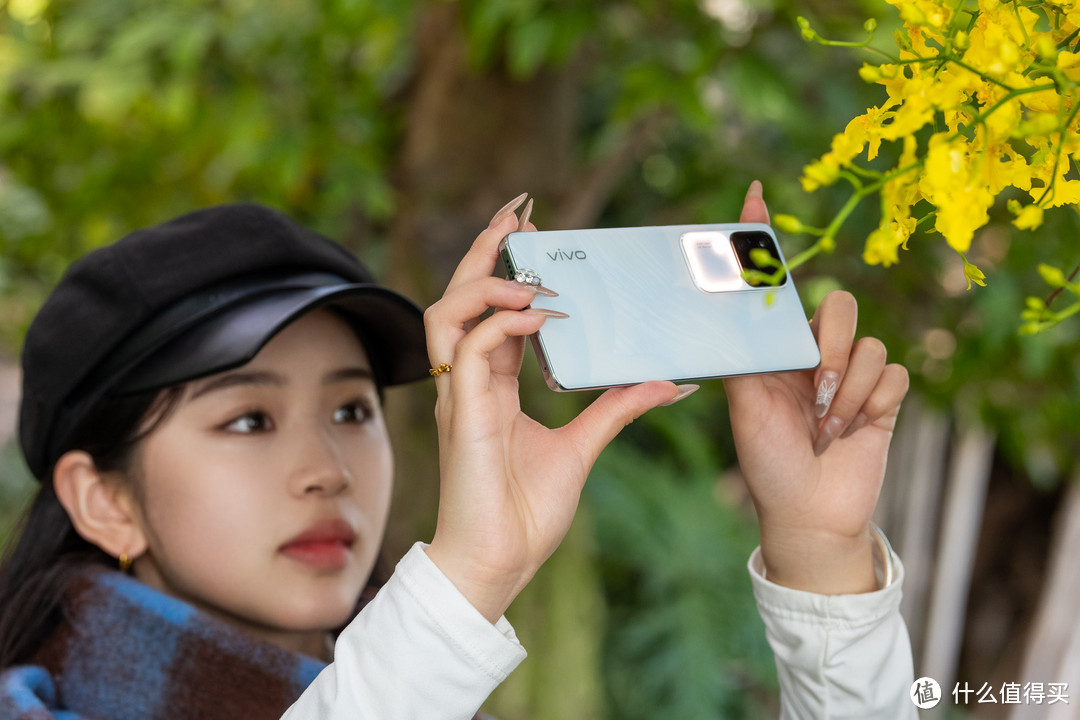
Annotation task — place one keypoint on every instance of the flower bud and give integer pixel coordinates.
(870, 73)
(807, 31)
(788, 224)
(1053, 276)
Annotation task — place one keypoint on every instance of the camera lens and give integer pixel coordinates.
(745, 242)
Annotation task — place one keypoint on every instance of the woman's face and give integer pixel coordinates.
(264, 496)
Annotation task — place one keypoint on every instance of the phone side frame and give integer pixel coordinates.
(534, 338)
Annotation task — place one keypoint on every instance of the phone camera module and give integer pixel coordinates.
(757, 251)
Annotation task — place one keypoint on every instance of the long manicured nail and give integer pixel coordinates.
(859, 421)
(507, 209)
(827, 433)
(538, 289)
(525, 215)
(755, 189)
(549, 313)
(685, 391)
(826, 391)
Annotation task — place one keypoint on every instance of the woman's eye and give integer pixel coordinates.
(356, 412)
(251, 422)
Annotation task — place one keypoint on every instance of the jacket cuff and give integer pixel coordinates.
(807, 606)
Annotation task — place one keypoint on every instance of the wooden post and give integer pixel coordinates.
(911, 498)
(969, 475)
(1053, 646)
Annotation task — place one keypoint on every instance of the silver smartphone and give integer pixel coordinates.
(661, 303)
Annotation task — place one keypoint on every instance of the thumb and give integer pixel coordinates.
(599, 423)
(754, 209)
(743, 390)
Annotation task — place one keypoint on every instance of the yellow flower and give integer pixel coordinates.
(1063, 192)
(881, 248)
(924, 12)
(863, 130)
(819, 173)
(967, 69)
(1029, 218)
(959, 215)
(950, 182)
(1069, 63)
(915, 113)
(1001, 166)
(997, 43)
(1003, 121)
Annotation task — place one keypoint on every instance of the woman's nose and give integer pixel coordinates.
(320, 464)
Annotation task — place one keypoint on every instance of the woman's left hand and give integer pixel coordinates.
(509, 485)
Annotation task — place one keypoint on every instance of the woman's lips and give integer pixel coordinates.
(327, 545)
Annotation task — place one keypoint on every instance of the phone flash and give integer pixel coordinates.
(712, 261)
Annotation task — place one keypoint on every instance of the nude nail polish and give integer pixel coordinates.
(507, 209)
(525, 215)
(827, 433)
(685, 391)
(857, 424)
(549, 313)
(541, 290)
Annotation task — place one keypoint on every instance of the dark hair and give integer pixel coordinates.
(40, 565)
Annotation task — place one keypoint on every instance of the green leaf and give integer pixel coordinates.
(529, 45)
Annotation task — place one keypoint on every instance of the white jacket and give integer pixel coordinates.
(420, 651)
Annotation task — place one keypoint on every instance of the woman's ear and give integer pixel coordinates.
(102, 509)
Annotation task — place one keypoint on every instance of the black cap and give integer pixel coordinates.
(191, 297)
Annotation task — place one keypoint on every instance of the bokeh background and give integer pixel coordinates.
(400, 126)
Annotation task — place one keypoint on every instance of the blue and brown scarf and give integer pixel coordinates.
(125, 651)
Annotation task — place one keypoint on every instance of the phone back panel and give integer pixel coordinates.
(637, 314)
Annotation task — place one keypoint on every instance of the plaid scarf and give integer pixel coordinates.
(125, 651)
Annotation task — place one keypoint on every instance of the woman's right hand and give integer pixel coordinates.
(509, 485)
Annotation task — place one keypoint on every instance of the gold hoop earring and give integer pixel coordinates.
(125, 562)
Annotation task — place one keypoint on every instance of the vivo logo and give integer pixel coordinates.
(567, 255)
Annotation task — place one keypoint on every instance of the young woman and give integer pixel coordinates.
(202, 405)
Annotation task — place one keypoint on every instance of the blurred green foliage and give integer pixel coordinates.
(116, 114)
(674, 541)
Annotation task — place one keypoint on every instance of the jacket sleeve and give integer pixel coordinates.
(840, 656)
(419, 649)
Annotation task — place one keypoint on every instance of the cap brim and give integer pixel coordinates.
(391, 328)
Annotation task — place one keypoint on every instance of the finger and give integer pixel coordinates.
(473, 366)
(883, 405)
(834, 328)
(482, 257)
(449, 319)
(754, 208)
(864, 371)
(599, 423)
(743, 394)
(741, 389)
